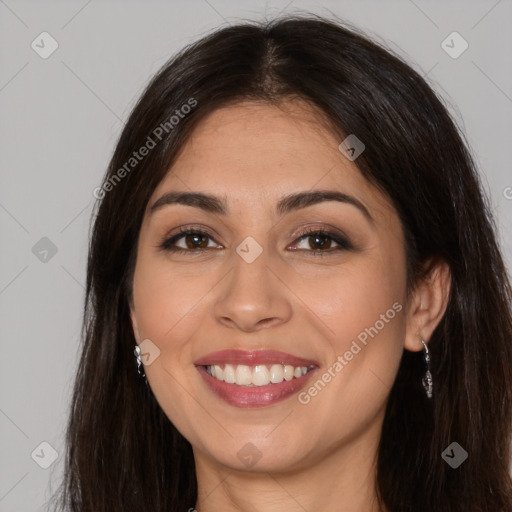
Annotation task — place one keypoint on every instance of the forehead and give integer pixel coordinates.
(255, 152)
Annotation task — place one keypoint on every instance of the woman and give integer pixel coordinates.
(295, 297)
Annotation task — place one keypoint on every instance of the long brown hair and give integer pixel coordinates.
(123, 454)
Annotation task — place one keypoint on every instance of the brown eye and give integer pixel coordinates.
(191, 240)
(319, 242)
(196, 241)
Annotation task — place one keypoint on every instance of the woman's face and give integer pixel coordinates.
(265, 297)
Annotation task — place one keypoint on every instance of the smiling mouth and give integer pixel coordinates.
(254, 378)
(257, 375)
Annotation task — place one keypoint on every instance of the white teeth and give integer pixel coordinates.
(218, 372)
(243, 375)
(276, 373)
(288, 372)
(259, 375)
(229, 374)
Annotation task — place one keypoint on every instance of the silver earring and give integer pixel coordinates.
(140, 370)
(427, 379)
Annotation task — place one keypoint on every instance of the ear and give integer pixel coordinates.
(427, 305)
(135, 325)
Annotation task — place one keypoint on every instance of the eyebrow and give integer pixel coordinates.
(287, 204)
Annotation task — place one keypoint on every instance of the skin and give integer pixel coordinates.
(317, 456)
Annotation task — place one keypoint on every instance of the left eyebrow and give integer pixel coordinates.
(286, 204)
(300, 200)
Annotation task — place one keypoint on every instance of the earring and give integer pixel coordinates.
(427, 379)
(140, 370)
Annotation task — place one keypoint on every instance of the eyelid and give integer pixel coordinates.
(314, 228)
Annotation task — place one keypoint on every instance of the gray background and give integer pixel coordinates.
(61, 116)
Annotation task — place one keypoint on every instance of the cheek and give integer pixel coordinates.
(351, 297)
(366, 344)
(170, 307)
(169, 312)
(360, 308)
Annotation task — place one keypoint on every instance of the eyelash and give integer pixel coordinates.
(343, 244)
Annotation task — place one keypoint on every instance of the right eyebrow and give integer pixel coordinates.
(206, 202)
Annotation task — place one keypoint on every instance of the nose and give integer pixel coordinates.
(253, 296)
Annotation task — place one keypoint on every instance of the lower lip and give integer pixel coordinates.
(255, 396)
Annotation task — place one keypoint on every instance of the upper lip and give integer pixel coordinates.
(253, 358)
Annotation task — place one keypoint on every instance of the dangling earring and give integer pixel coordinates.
(427, 379)
(140, 369)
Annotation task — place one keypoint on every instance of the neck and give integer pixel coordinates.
(341, 479)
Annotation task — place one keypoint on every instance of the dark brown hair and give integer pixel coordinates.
(123, 454)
